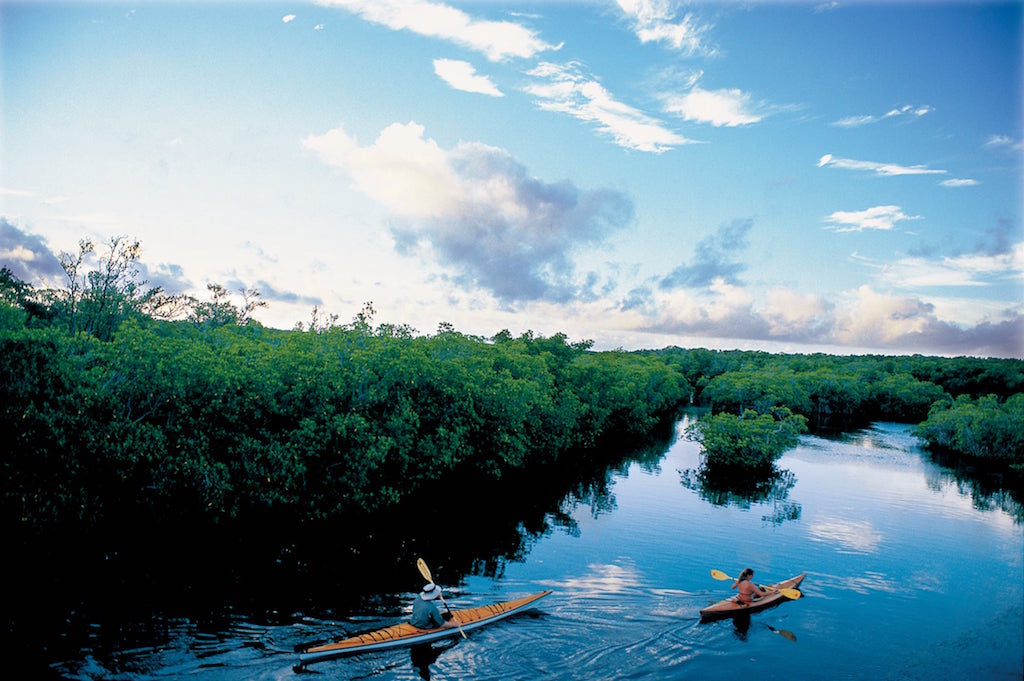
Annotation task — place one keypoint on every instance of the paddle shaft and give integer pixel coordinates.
(425, 571)
(788, 593)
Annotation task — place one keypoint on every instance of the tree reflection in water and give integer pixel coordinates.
(989, 490)
(461, 527)
(723, 488)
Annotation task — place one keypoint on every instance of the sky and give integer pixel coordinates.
(840, 177)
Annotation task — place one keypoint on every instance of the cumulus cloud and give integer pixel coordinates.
(863, 319)
(168, 277)
(462, 76)
(727, 107)
(272, 294)
(897, 313)
(474, 208)
(27, 255)
(714, 259)
(885, 169)
(656, 21)
(878, 217)
(871, 319)
(31, 259)
(899, 112)
(794, 315)
(722, 310)
(497, 40)
(288, 18)
(565, 88)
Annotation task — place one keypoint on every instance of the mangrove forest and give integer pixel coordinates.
(121, 401)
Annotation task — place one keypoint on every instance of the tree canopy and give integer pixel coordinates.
(120, 399)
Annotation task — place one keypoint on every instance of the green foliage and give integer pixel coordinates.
(177, 420)
(108, 409)
(749, 442)
(901, 397)
(983, 428)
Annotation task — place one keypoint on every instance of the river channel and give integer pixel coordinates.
(912, 573)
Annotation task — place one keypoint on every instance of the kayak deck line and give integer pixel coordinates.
(405, 634)
(729, 607)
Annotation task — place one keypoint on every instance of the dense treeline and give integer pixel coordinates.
(107, 407)
(189, 419)
(966, 405)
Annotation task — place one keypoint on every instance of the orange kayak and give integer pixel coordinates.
(405, 634)
(730, 607)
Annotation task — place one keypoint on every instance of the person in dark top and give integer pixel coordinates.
(748, 591)
(425, 613)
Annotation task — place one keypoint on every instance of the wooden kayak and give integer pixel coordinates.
(405, 634)
(730, 607)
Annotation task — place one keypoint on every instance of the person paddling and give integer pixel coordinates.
(748, 591)
(425, 613)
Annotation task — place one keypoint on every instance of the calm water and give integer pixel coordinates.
(911, 574)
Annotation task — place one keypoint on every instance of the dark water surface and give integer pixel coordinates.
(911, 574)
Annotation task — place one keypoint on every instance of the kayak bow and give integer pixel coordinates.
(404, 634)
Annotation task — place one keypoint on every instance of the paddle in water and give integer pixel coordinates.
(783, 633)
(788, 593)
(425, 571)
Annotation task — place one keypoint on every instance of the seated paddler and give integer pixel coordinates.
(748, 591)
(425, 613)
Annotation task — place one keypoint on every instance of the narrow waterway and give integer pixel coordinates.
(911, 574)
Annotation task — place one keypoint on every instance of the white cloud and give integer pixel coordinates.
(973, 311)
(288, 18)
(786, 310)
(905, 110)
(462, 76)
(878, 217)
(973, 269)
(855, 121)
(497, 40)
(885, 169)
(727, 107)
(870, 319)
(1003, 142)
(655, 21)
(566, 89)
(402, 170)
(475, 210)
(959, 182)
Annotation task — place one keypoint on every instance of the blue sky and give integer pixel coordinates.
(795, 177)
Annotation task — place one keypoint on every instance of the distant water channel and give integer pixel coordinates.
(912, 573)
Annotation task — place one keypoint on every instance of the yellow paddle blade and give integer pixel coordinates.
(788, 593)
(719, 575)
(784, 633)
(424, 570)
